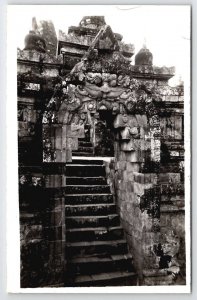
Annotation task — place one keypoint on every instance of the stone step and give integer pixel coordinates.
(90, 209)
(94, 234)
(84, 140)
(86, 162)
(99, 264)
(84, 154)
(85, 149)
(106, 279)
(169, 208)
(86, 189)
(86, 180)
(86, 170)
(88, 198)
(95, 248)
(85, 144)
(92, 221)
(54, 168)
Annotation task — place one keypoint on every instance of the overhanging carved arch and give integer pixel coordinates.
(82, 95)
(102, 81)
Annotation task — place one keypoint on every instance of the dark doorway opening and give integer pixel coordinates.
(104, 134)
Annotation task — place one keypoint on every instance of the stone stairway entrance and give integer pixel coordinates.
(96, 250)
(85, 147)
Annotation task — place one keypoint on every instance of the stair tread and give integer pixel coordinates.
(99, 258)
(98, 194)
(95, 243)
(87, 185)
(85, 144)
(80, 146)
(82, 153)
(92, 217)
(94, 228)
(84, 148)
(87, 161)
(103, 276)
(89, 205)
(96, 247)
(85, 177)
(80, 165)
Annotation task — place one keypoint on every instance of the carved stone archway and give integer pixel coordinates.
(133, 95)
(80, 99)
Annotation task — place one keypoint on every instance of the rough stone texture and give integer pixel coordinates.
(47, 31)
(42, 225)
(90, 96)
(150, 196)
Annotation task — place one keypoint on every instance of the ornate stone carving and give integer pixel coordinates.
(104, 83)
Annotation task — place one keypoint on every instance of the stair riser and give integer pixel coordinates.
(81, 251)
(97, 162)
(88, 199)
(89, 268)
(86, 181)
(84, 154)
(85, 144)
(129, 281)
(97, 235)
(85, 139)
(89, 210)
(93, 222)
(85, 149)
(85, 171)
(93, 240)
(97, 189)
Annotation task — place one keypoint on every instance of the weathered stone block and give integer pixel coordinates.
(133, 156)
(130, 187)
(121, 165)
(128, 146)
(58, 142)
(58, 156)
(142, 121)
(52, 233)
(30, 232)
(172, 98)
(50, 72)
(22, 126)
(138, 188)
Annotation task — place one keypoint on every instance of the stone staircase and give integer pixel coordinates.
(85, 147)
(96, 250)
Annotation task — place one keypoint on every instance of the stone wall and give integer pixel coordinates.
(42, 221)
(42, 225)
(149, 185)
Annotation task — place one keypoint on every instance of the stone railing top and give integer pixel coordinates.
(87, 41)
(75, 39)
(127, 49)
(35, 56)
(164, 70)
(153, 69)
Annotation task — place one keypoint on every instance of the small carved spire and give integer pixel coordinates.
(34, 24)
(144, 56)
(144, 44)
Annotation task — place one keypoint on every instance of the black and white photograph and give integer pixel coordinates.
(99, 110)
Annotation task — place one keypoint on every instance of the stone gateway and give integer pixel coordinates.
(101, 161)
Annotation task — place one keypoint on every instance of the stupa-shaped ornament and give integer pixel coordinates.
(34, 41)
(144, 57)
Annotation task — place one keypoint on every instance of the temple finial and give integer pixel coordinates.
(144, 44)
(34, 24)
